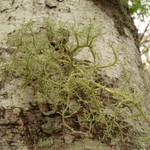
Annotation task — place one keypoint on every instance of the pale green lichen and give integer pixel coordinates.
(46, 61)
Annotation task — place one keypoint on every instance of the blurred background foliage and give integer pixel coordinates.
(140, 7)
(140, 10)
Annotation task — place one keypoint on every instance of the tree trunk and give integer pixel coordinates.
(120, 73)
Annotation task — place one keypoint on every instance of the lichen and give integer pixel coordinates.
(45, 59)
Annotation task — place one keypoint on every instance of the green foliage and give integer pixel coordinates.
(45, 59)
(140, 7)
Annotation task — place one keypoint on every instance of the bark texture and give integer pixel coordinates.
(113, 18)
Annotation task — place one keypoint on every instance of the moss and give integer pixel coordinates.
(45, 143)
(45, 59)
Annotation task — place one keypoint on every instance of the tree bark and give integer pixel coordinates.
(126, 73)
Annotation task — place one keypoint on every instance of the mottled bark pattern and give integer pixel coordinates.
(119, 11)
